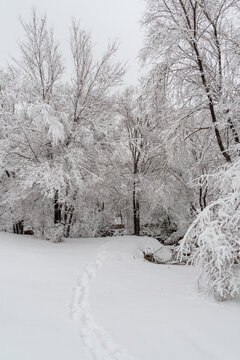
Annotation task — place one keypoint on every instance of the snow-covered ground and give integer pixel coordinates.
(98, 299)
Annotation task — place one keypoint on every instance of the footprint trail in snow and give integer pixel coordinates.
(96, 339)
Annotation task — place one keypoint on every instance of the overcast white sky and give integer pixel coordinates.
(106, 19)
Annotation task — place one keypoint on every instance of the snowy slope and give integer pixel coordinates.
(97, 299)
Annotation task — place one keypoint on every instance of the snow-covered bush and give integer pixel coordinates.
(213, 238)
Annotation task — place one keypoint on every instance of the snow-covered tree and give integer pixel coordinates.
(213, 238)
(195, 46)
(52, 132)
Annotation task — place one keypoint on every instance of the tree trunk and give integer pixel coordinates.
(206, 86)
(136, 211)
(18, 227)
(57, 209)
(68, 216)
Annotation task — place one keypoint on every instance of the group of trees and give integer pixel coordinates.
(53, 132)
(195, 44)
(161, 158)
(77, 157)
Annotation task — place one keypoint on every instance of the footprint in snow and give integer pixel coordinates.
(95, 338)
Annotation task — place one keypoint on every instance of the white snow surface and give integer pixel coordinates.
(98, 299)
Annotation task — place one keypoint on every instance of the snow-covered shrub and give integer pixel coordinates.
(57, 233)
(214, 238)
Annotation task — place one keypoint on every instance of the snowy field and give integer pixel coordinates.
(88, 299)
